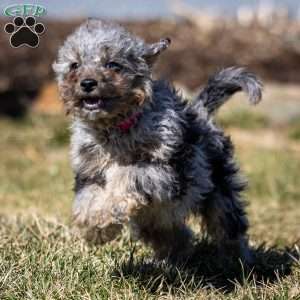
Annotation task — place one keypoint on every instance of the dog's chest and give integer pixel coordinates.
(90, 157)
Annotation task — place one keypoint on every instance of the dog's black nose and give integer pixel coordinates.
(88, 85)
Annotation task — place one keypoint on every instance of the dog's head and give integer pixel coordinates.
(104, 72)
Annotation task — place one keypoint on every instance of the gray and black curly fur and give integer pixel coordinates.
(171, 163)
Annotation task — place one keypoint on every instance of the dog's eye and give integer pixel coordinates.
(114, 66)
(74, 66)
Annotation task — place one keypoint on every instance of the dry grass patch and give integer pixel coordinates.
(41, 257)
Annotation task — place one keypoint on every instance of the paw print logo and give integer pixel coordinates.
(24, 32)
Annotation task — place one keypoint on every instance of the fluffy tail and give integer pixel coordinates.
(227, 82)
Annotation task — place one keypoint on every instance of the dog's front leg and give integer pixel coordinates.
(101, 207)
(132, 188)
(123, 197)
(91, 212)
(128, 189)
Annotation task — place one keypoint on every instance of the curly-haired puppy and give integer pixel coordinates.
(141, 154)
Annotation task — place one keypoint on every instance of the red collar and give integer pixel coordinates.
(126, 124)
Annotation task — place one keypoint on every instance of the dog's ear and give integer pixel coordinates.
(152, 51)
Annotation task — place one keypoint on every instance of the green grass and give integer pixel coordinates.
(273, 175)
(35, 171)
(244, 119)
(42, 257)
(294, 131)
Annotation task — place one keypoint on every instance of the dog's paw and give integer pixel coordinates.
(116, 211)
(102, 223)
(107, 224)
(123, 210)
(100, 236)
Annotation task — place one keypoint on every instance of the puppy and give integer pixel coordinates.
(141, 154)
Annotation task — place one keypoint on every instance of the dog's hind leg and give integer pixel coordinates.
(170, 238)
(223, 211)
(226, 222)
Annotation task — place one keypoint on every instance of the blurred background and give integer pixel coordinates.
(41, 258)
(206, 35)
(263, 36)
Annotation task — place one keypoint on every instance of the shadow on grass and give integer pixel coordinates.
(204, 269)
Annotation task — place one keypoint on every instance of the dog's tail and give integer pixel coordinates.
(227, 82)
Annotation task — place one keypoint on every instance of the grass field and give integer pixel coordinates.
(41, 256)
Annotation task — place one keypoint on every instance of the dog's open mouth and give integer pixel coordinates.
(97, 103)
(92, 103)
